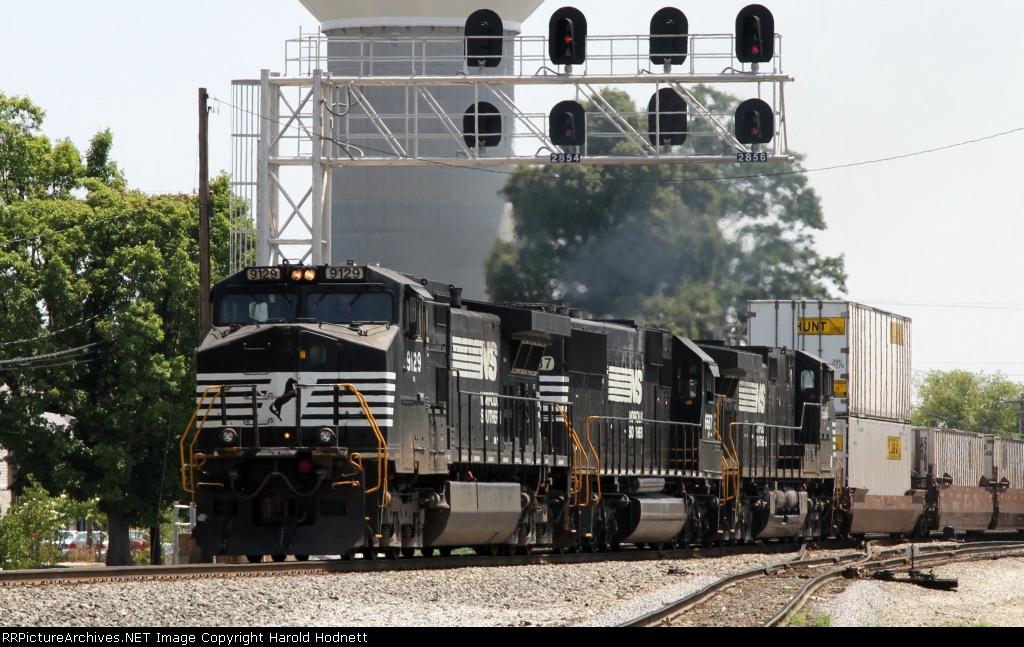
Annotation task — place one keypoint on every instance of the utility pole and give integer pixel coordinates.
(205, 316)
(1018, 401)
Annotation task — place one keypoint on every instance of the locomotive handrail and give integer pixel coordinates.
(597, 459)
(187, 484)
(382, 447)
(728, 452)
(576, 470)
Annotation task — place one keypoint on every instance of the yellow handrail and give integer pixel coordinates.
(190, 465)
(577, 480)
(726, 454)
(382, 448)
(597, 458)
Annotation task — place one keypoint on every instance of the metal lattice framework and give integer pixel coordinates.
(290, 131)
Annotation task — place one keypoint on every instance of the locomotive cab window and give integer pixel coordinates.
(346, 307)
(688, 380)
(255, 307)
(414, 316)
(808, 384)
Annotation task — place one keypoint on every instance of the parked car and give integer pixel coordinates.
(139, 540)
(80, 541)
(64, 539)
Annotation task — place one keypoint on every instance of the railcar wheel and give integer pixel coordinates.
(302, 558)
(278, 558)
(254, 559)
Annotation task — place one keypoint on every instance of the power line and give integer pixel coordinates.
(50, 334)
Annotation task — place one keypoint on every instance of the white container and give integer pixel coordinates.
(1008, 460)
(869, 350)
(876, 455)
(5, 483)
(963, 455)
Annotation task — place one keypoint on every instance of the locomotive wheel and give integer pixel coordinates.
(391, 553)
(408, 552)
(427, 551)
(254, 559)
(445, 551)
(278, 558)
(302, 558)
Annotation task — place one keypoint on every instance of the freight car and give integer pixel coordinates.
(356, 410)
(895, 478)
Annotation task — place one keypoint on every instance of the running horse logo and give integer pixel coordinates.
(284, 398)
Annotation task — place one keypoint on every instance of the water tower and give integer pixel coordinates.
(435, 221)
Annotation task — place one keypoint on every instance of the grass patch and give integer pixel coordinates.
(802, 619)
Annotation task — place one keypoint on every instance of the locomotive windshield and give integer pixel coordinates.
(276, 305)
(256, 306)
(349, 307)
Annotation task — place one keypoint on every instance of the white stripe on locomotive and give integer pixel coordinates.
(475, 358)
(751, 397)
(625, 385)
(377, 389)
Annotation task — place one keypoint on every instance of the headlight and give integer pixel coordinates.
(325, 436)
(309, 274)
(228, 436)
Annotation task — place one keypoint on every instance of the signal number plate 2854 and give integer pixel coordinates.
(565, 158)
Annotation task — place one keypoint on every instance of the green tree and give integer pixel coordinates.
(683, 246)
(100, 299)
(967, 401)
(98, 164)
(29, 166)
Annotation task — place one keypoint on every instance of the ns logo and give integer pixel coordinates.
(490, 360)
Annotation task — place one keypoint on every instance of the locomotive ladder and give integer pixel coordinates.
(196, 461)
(580, 474)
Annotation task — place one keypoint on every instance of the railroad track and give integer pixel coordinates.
(767, 596)
(101, 573)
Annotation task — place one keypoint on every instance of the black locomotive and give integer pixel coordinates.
(358, 410)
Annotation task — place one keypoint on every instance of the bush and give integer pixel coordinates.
(30, 531)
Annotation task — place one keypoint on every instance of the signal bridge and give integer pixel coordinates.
(394, 100)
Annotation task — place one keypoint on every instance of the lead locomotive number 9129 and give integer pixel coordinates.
(351, 409)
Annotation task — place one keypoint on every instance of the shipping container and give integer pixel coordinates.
(5, 483)
(875, 455)
(962, 455)
(1008, 461)
(869, 350)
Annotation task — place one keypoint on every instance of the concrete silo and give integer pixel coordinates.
(436, 221)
